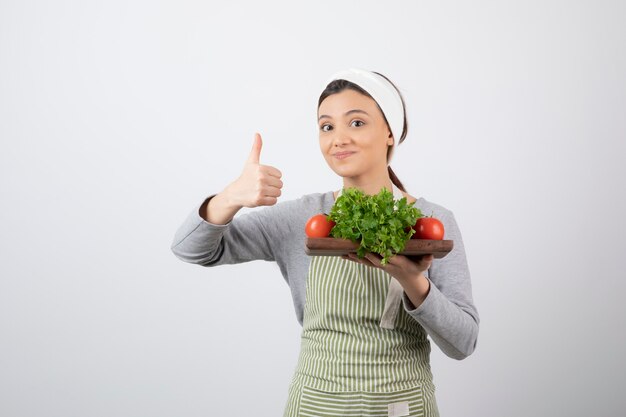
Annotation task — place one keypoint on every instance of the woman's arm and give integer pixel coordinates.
(211, 236)
(447, 312)
(254, 235)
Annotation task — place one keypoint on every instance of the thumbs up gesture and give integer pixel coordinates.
(258, 185)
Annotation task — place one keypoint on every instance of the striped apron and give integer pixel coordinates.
(350, 364)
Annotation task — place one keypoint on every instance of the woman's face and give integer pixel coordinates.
(354, 136)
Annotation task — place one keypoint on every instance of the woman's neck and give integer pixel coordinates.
(369, 187)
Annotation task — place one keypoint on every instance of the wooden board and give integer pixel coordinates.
(330, 246)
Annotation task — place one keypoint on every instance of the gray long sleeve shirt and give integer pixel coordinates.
(276, 233)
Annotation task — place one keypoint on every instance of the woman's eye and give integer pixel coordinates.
(358, 123)
(325, 128)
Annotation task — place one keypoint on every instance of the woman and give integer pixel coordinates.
(364, 340)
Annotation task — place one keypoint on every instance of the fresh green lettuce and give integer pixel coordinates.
(377, 222)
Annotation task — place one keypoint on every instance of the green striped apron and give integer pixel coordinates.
(350, 364)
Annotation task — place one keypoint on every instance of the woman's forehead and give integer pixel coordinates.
(339, 103)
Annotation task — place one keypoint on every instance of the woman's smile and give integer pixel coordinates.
(343, 154)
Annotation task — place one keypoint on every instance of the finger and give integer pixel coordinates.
(353, 257)
(273, 182)
(267, 173)
(421, 259)
(415, 258)
(271, 171)
(268, 191)
(426, 262)
(347, 257)
(403, 262)
(398, 260)
(426, 259)
(374, 259)
(266, 201)
(255, 153)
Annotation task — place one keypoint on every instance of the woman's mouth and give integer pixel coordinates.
(342, 155)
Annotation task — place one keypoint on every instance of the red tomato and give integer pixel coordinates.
(318, 226)
(428, 228)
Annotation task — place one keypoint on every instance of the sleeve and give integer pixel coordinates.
(448, 313)
(254, 235)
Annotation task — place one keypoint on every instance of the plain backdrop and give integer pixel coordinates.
(118, 118)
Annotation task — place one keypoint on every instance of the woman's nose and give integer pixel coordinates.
(340, 137)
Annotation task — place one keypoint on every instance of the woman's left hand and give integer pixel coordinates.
(400, 267)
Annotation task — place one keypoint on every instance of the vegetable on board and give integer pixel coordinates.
(379, 223)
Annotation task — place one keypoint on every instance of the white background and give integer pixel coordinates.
(117, 118)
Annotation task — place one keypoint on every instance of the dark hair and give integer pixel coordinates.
(337, 86)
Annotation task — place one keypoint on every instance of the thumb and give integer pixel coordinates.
(255, 153)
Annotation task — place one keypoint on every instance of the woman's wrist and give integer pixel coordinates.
(416, 288)
(219, 209)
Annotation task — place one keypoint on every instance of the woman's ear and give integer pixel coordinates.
(390, 139)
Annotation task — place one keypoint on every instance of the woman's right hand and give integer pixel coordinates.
(258, 185)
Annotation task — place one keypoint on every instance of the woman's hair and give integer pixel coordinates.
(337, 86)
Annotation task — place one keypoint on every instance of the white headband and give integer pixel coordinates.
(385, 95)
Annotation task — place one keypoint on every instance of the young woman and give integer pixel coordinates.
(365, 349)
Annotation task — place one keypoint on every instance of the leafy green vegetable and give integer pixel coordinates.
(377, 222)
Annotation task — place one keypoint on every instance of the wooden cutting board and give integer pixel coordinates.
(330, 246)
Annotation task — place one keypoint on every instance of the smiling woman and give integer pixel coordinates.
(365, 325)
(355, 142)
(365, 114)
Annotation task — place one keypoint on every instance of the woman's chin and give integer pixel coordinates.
(344, 171)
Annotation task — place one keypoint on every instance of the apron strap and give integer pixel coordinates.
(392, 304)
